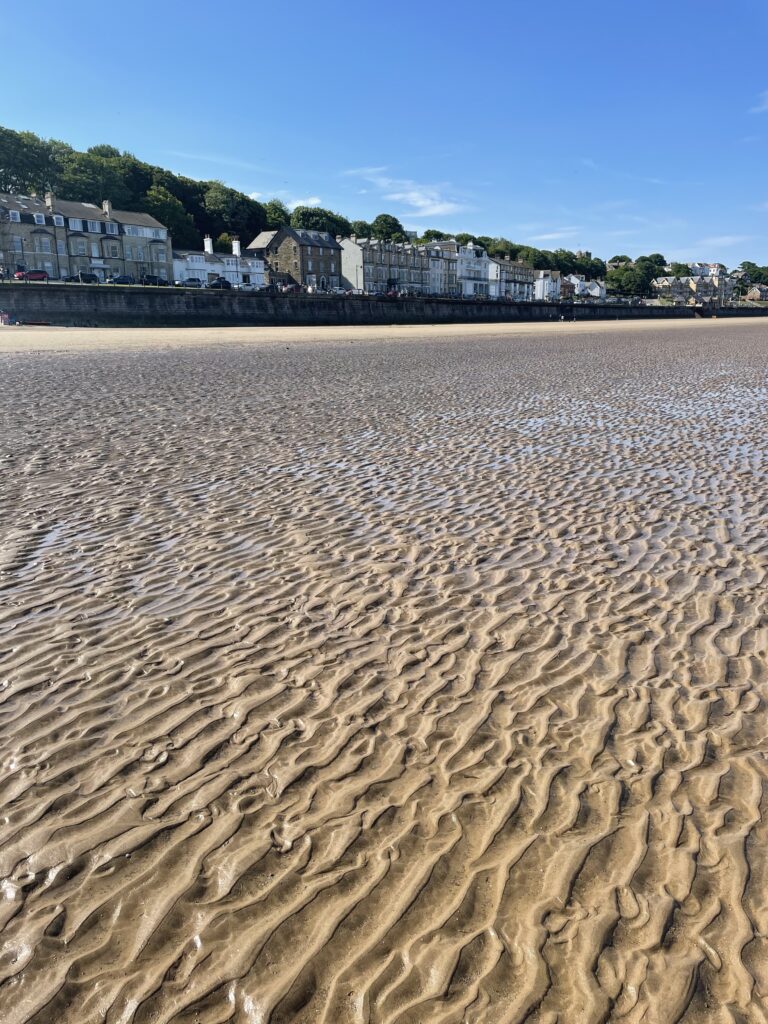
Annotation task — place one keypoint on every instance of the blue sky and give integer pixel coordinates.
(618, 127)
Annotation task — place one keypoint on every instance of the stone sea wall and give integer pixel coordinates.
(107, 306)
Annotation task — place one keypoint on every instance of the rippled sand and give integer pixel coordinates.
(405, 682)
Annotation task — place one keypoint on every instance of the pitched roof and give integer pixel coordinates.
(262, 240)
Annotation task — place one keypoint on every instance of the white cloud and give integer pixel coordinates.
(762, 104)
(255, 195)
(421, 200)
(722, 241)
(306, 201)
(553, 236)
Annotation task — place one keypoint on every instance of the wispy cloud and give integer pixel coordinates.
(761, 107)
(722, 241)
(421, 200)
(216, 158)
(554, 236)
(306, 201)
(255, 195)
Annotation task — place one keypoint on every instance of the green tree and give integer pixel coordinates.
(169, 211)
(315, 218)
(103, 150)
(619, 259)
(277, 214)
(388, 228)
(433, 235)
(26, 163)
(223, 243)
(89, 178)
(227, 210)
(679, 270)
(361, 228)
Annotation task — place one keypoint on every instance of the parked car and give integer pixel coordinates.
(190, 282)
(82, 278)
(31, 275)
(247, 287)
(121, 279)
(152, 279)
(220, 282)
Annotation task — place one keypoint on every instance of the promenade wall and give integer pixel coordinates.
(108, 306)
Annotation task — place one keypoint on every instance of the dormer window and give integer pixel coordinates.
(58, 220)
(39, 218)
(14, 215)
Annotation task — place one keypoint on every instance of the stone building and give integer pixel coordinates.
(511, 279)
(376, 267)
(297, 256)
(65, 238)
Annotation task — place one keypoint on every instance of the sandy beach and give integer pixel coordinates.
(384, 676)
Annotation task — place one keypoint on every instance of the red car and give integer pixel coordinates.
(31, 275)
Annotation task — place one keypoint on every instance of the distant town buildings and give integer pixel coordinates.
(83, 241)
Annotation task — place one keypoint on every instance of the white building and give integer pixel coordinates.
(208, 265)
(510, 279)
(547, 286)
(583, 289)
(708, 269)
(473, 271)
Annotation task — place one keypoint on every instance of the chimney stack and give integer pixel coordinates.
(107, 207)
(236, 246)
(50, 200)
(208, 245)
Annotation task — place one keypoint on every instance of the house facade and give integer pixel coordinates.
(515, 279)
(473, 271)
(443, 273)
(65, 238)
(295, 256)
(208, 265)
(375, 266)
(547, 286)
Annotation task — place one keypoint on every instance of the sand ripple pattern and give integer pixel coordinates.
(386, 683)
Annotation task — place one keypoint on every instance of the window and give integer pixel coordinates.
(159, 255)
(60, 247)
(94, 226)
(309, 264)
(139, 252)
(14, 215)
(16, 243)
(58, 220)
(128, 250)
(111, 229)
(39, 218)
(333, 266)
(75, 224)
(95, 250)
(43, 244)
(114, 251)
(80, 247)
(320, 251)
(158, 233)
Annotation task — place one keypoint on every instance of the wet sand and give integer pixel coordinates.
(386, 676)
